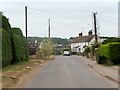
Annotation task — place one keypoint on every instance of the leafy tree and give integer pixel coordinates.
(47, 48)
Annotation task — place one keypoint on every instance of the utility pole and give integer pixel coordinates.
(94, 14)
(26, 20)
(49, 28)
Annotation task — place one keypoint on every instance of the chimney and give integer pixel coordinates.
(90, 32)
(80, 34)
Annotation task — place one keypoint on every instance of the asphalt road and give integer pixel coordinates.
(69, 72)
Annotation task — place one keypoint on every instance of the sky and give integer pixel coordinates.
(68, 18)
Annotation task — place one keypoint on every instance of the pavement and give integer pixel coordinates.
(69, 72)
(110, 72)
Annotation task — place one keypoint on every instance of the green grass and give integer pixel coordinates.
(27, 62)
(13, 67)
(16, 66)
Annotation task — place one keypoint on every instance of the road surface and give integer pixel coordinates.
(69, 72)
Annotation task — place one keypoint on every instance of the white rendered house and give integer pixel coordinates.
(80, 42)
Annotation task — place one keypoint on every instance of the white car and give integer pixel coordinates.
(66, 53)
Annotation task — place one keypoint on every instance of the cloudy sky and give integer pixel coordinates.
(68, 18)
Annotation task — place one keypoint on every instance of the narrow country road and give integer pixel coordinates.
(69, 72)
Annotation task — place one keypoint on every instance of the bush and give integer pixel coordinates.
(110, 40)
(47, 48)
(17, 31)
(6, 49)
(14, 45)
(5, 24)
(19, 46)
(86, 51)
(109, 53)
(95, 45)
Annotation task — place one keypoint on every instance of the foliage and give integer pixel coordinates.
(54, 40)
(47, 48)
(14, 45)
(87, 49)
(5, 24)
(95, 45)
(17, 31)
(109, 53)
(66, 49)
(20, 48)
(110, 40)
(6, 48)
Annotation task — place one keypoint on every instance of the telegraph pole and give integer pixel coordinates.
(94, 14)
(26, 20)
(49, 28)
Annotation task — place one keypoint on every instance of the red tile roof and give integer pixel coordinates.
(83, 39)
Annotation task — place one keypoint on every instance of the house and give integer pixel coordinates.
(79, 43)
(34, 47)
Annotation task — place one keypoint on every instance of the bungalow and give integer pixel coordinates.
(79, 43)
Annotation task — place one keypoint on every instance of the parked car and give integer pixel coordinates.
(66, 53)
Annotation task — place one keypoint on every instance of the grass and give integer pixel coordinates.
(27, 62)
(11, 70)
(12, 67)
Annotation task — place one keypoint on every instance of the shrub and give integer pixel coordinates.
(19, 46)
(20, 51)
(14, 45)
(47, 48)
(86, 51)
(110, 40)
(109, 53)
(6, 49)
(6, 40)
(17, 31)
(5, 24)
(95, 45)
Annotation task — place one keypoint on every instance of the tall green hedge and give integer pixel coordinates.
(14, 44)
(17, 31)
(109, 53)
(20, 47)
(6, 48)
(5, 24)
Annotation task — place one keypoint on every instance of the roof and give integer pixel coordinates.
(83, 39)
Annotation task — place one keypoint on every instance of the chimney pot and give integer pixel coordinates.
(80, 34)
(90, 32)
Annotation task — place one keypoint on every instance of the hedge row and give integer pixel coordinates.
(20, 48)
(17, 31)
(14, 44)
(108, 53)
(6, 48)
(5, 24)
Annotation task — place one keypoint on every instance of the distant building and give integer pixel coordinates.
(34, 47)
(79, 43)
(60, 48)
